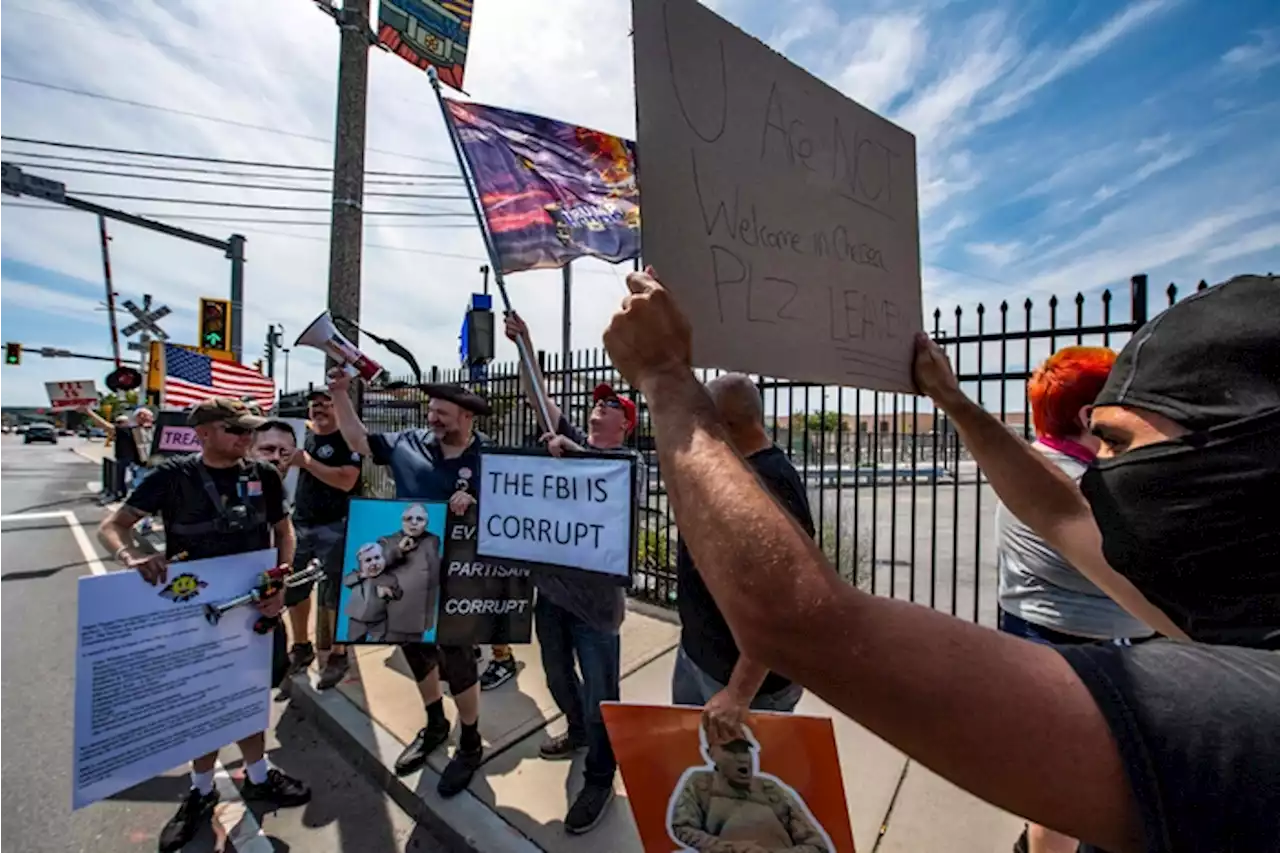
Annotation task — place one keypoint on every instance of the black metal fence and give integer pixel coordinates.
(901, 509)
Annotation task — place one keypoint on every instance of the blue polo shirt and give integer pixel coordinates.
(420, 470)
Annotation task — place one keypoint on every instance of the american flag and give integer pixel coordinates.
(190, 378)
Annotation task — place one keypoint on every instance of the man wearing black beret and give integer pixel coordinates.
(440, 463)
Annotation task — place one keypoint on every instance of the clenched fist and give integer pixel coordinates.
(932, 370)
(649, 338)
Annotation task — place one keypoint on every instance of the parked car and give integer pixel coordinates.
(97, 432)
(40, 432)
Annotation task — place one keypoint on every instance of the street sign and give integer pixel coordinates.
(15, 182)
(145, 319)
(54, 352)
(72, 394)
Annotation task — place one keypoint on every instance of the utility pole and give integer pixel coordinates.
(235, 253)
(111, 293)
(347, 230)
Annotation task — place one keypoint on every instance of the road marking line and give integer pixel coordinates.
(77, 532)
(235, 818)
(86, 547)
(34, 516)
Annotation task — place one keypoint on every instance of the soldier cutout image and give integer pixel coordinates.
(729, 806)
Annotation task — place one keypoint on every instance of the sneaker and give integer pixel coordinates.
(415, 754)
(335, 669)
(280, 790)
(458, 772)
(300, 657)
(589, 809)
(497, 673)
(561, 747)
(184, 825)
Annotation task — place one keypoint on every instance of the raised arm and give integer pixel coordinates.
(1005, 719)
(516, 328)
(1033, 488)
(98, 419)
(349, 423)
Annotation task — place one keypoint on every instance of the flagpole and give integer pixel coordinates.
(526, 358)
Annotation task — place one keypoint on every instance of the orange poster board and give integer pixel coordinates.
(777, 788)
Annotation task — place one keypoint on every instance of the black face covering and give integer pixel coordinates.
(1194, 524)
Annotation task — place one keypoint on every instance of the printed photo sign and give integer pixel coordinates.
(391, 571)
(776, 787)
(576, 512)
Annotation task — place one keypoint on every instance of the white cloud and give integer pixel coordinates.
(1254, 56)
(997, 254)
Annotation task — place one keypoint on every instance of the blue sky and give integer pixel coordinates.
(1062, 147)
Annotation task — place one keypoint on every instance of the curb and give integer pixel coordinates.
(465, 822)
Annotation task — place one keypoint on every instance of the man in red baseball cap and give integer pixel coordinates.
(578, 620)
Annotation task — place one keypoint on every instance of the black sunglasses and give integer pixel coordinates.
(611, 403)
(231, 429)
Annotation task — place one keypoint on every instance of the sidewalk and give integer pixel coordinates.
(517, 802)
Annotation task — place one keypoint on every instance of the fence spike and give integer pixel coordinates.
(1027, 304)
(1172, 291)
(982, 309)
(1202, 285)
(1106, 296)
(937, 313)
(1079, 298)
(1053, 302)
(1004, 306)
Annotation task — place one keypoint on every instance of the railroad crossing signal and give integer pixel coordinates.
(13, 354)
(215, 323)
(145, 318)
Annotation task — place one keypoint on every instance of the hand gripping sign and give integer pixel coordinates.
(575, 513)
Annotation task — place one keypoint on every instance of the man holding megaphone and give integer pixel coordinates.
(440, 463)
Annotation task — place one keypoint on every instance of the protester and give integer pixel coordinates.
(579, 619)
(249, 512)
(709, 670)
(275, 443)
(1158, 746)
(1041, 597)
(132, 439)
(441, 463)
(328, 477)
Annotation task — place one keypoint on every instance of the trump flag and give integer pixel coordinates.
(551, 192)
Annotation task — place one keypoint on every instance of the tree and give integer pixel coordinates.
(818, 422)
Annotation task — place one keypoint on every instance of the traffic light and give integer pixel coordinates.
(13, 354)
(215, 323)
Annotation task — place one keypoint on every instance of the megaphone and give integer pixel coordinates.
(324, 336)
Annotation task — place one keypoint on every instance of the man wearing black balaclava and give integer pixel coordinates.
(1163, 746)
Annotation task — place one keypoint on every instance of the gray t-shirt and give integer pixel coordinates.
(1037, 584)
(600, 603)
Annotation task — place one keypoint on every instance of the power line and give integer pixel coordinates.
(201, 116)
(159, 155)
(292, 208)
(162, 215)
(231, 184)
(422, 180)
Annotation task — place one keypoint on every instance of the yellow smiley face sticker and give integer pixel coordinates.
(184, 587)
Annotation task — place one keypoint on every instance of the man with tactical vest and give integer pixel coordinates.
(214, 503)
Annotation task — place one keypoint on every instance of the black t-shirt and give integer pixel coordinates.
(316, 502)
(1198, 728)
(175, 490)
(704, 634)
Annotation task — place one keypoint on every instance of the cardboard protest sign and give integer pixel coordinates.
(76, 394)
(778, 787)
(391, 571)
(781, 214)
(158, 684)
(484, 601)
(575, 512)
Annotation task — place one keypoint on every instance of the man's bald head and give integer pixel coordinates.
(738, 401)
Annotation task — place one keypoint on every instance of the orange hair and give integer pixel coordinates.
(1069, 380)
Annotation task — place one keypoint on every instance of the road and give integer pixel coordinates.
(41, 563)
